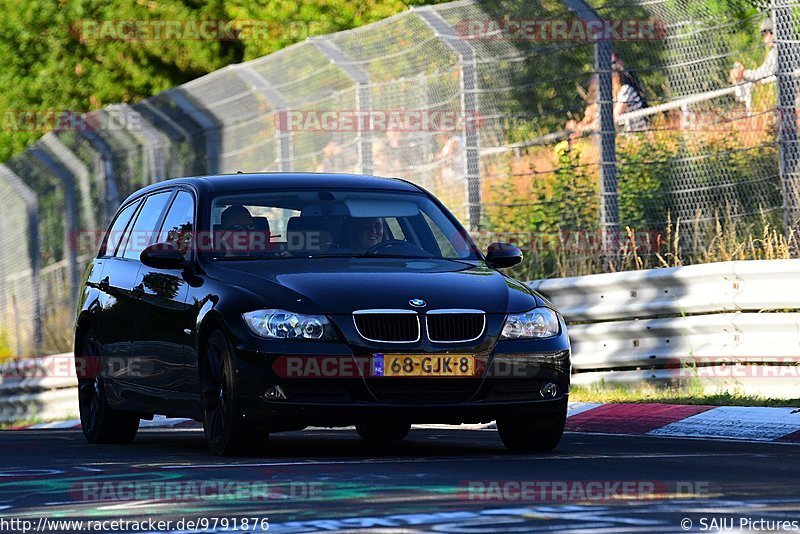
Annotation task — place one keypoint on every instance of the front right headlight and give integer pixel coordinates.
(282, 324)
(538, 323)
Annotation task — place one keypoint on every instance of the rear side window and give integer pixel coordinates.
(178, 224)
(141, 235)
(115, 232)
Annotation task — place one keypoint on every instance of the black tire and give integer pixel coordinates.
(100, 423)
(383, 431)
(524, 434)
(225, 431)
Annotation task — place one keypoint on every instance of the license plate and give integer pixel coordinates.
(438, 365)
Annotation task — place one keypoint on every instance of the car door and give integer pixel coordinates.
(166, 323)
(113, 327)
(142, 368)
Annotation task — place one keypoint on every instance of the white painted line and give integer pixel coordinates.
(735, 422)
(58, 424)
(159, 421)
(574, 408)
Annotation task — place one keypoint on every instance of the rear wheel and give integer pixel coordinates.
(383, 431)
(225, 430)
(525, 434)
(100, 423)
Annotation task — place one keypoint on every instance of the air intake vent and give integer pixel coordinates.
(454, 326)
(388, 326)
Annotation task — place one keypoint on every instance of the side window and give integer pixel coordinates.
(394, 228)
(143, 229)
(114, 234)
(445, 245)
(178, 225)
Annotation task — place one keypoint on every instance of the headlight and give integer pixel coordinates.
(538, 323)
(282, 324)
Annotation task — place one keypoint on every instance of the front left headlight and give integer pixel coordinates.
(282, 324)
(539, 323)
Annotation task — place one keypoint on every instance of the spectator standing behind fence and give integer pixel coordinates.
(627, 95)
(451, 157)
(739, 74)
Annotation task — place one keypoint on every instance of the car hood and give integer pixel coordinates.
(343, 285)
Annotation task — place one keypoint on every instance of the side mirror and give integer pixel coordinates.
(162, 256)
(501, 255)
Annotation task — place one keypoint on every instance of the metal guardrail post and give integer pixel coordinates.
(469, 107)
(111, 200)
(788, 52)
(283, 136)
(32, 210)
(609, 205)
(360, 79)
(70, 212)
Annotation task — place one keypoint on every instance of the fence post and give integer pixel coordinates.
(609, 205)
(111, 198)
(80, 171)
(469, 107)
(32, 211)
(360, 79)
(788, 52)
(71, 219)
(211, 132)
(153, 145)
(283, 136)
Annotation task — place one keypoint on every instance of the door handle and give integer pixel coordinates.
(104, 284)
(138, 291)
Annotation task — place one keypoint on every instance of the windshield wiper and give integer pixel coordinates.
(251, 258)
(400, 256)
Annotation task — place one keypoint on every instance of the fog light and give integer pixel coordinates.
(549, 390)
(275, 393)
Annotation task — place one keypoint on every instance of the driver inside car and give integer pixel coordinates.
(368, 233)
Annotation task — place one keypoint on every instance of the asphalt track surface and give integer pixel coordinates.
(329, 480)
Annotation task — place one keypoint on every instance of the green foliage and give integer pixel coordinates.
(53, 60)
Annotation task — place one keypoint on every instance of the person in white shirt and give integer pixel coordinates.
(768, 68)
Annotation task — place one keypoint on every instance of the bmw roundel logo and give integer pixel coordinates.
(417, 303)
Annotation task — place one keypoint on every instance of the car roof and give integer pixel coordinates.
(224, 183)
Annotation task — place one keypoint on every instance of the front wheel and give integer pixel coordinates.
(384, 431)
(100, 423)
(225, 430)
(524, 434)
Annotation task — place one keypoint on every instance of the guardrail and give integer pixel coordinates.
(42, 388)
(729, 326)
(732, 326)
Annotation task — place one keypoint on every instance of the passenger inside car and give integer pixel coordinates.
(241, 234)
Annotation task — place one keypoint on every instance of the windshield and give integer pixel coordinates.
(331, 223)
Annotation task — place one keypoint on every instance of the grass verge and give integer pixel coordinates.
(674, 396)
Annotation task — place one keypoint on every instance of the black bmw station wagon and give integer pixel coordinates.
(260, 303)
